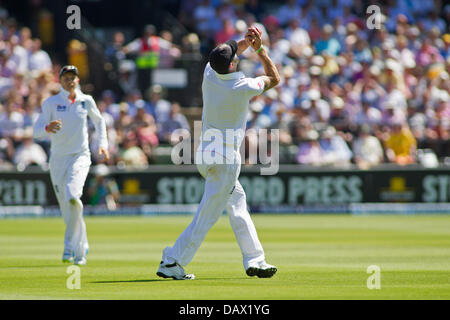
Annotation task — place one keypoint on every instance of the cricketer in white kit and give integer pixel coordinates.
(226, 95)
(64, 118)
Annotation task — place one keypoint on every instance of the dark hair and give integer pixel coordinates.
(222, 55)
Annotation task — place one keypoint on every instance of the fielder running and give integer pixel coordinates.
(64, 118)
(226, 95)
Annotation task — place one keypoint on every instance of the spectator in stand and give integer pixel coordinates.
(401, 145)
(271, 104)
(11, 122)
(298, 37)
(127, 77)
(290, 10)
(108, 97)
(327, 43)
(335, 150)
(39, 60)
(24, 36)
(45, 84)
(111, 135)
(131, 155)
(255, 119)
(6, 153)
(428, 54)
(368, 114)
(191, 44)
(361, 51)
(175, 121)
(135, 101)
(433, 20)
(148, 42)
(169, 52)
(339, 117)
(417, 121)
(367, 149)
(103, 190)
(18, 54)
(149, 49)
(392, 114)
(186, 12)
(29, 153)
(300, 125)
(446, 49)
(318, 109)
(158, 107)
(203, 14)
(310, 152)
(282, 123)
(123, 122)
(30, 110)
(19, 87)
(271, 24)
(226, 33)
(115, 50)
(145, 128)
(254, 7)
(8, 66)
(226, 11)
(438, 125)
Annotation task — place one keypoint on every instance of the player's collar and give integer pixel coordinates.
(66, 94)
(230, 76)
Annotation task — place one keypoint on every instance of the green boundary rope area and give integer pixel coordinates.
(189, 209)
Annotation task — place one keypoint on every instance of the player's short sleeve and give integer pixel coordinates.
(255, 86)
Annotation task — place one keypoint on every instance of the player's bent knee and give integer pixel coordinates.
(75, 201)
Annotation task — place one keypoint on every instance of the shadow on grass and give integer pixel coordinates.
(36, 266)
(159, 280)
(127, 281)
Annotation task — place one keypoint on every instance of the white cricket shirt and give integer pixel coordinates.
(225, 101)
(72, 138)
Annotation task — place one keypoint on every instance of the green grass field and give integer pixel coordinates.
(318, 257)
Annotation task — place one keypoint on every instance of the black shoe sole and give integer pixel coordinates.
(261, 273)
(162, 275)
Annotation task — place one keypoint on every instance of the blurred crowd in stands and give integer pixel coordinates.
(348, 93)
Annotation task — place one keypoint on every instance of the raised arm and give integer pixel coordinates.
(271, 77)
(242, 46)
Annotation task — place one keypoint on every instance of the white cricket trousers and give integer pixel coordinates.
(68, 174)
(222, 191)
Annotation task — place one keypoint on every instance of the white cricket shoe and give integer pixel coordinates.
(80, 261)
(67, 256)
(174, 271)
(261, 270)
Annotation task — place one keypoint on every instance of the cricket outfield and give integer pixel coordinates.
(318, 257)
